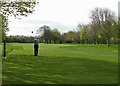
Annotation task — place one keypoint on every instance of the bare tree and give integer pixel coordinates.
(103, 20)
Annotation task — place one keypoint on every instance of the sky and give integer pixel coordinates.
(64, 15)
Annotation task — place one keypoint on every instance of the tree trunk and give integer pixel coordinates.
(108, 42)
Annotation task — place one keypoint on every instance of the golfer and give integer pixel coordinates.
(36, 46)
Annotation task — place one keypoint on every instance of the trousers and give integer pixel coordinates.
(36, 50)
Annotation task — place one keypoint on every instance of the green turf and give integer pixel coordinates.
(61, 64)
(0, 63)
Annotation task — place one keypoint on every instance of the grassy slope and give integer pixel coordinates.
(84, 64)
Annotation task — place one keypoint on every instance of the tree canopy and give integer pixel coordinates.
(14, 8)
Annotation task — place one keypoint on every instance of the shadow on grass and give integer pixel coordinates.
(28, 69)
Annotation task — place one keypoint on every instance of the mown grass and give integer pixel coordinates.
(61, 64)
(0, 63)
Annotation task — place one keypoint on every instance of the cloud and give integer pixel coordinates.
(25, 27)
(61, 14)
(52, 24)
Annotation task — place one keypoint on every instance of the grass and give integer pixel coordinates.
(0, 64)
(61, 64)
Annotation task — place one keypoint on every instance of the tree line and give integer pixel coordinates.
(103, 28)
(19, 39)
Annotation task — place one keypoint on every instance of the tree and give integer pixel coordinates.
(96, 19)
(70, 37)
(103, 20)
(14, 8)
(0, 29)
(108, 24)
(84, 34)
(63, 37)
(3, 26)
(95, 29)
(118, 29)
(46, 33)
(56, 35)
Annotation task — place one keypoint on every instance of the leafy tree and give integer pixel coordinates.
(46, 33)
(63, 38)
(118, 29)
(56, 35)
(14, 8)
(3, 26)
(84, 34)
(0, 29)
(70, 37)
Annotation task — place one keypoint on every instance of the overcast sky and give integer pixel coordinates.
(62, 14)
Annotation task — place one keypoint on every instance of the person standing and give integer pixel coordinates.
(36, 46)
